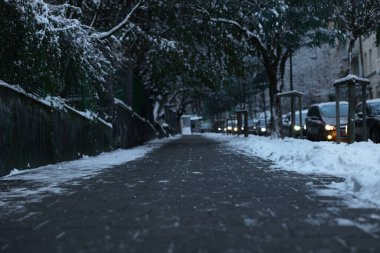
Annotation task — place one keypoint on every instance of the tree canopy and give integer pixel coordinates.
(183, 51)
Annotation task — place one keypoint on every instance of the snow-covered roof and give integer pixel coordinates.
(352, 78)
(289, 93)
(196, 117)
(192, 117)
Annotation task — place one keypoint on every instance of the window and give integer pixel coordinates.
(329, 111)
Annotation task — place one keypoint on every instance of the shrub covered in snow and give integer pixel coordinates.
(47, 50)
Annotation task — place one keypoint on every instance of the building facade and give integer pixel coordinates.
(366, 63)
(315, 69)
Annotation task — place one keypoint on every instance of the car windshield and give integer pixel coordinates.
(329, 111)
(375, 108)
(303, 118)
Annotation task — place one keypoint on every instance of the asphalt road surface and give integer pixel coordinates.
(192, 195)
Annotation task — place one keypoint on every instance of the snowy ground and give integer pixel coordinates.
(45, 180)
(358, 163)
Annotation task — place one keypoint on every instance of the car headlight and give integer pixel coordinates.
(329, 128)
(235, 129)
(229, 128)
(297, 128)
(219, 129)
(263, 129)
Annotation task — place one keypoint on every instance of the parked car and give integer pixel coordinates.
(321, 121)
(263, 126)
(231, 126)
(251, 126)
(372, 119)
(255, 123)
(287, 124)
(206, 126)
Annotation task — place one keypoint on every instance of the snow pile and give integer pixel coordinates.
(358, 163)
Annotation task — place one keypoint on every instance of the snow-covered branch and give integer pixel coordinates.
(227, 21)
(248, 33)
(99, 4)
(162, 43)
(104, 35)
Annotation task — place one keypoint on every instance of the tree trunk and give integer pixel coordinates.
(351, 45)
(272, 76)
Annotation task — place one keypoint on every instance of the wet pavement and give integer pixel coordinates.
(191, 195)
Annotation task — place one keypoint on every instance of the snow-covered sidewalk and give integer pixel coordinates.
(358, 163)
(50, 179)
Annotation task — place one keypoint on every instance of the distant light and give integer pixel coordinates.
(329, 137)
(263, 129)
(225, 129)
(229, 128)
(329, 128)
(304, 127)
(297, 128)
(219, 129)
(235, 129)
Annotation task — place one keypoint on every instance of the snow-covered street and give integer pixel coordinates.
(192, 194)
(358, 163)
(121, 126)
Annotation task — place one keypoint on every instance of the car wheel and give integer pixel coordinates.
(374, 136)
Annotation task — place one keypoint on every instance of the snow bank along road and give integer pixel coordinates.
(190, 195)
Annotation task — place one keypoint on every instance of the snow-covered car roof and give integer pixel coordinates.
(330, 103)
(375, 100)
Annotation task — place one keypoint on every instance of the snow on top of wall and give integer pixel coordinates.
(56, 103)
(120, 102)
(12, 87)
(89, 115)
(127, 107)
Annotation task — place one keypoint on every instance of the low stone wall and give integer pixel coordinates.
(32, 133)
